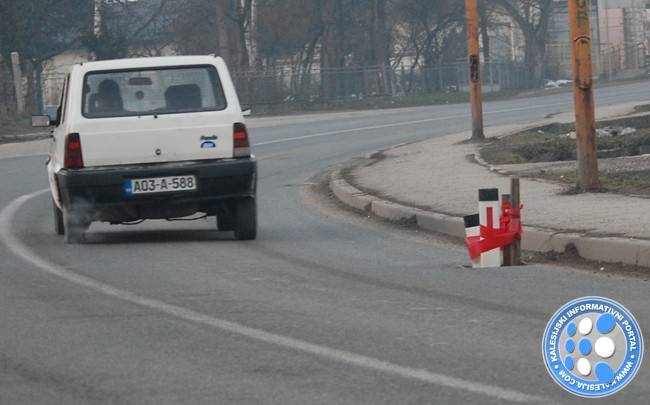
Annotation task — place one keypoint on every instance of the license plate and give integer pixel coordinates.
(160, 185)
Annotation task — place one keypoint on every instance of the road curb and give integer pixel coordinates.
(629, 251)
(34, 136)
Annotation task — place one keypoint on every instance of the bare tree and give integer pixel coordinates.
(224, 29)
(532, 17)
(40, 30)
(332, 49)
(433, 33)
(124, 28)
(237, 32)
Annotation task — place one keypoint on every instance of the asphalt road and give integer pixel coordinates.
(326, 307)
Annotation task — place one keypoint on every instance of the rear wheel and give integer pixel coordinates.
(225, 220)
(74, 227)
(58, 219)
(246, 219)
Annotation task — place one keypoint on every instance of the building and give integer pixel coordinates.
(619, 37)
(132, 18)
(506, 39)
(558, 52)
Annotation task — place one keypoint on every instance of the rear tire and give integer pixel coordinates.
(58, 219)
(74, 228)
(246, 219)
(225, 221)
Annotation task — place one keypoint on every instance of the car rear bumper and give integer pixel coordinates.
(99, 193)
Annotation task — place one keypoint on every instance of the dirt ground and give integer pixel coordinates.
(549, 153)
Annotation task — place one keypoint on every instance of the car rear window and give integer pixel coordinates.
(139, 92)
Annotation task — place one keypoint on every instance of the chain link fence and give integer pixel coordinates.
(287, 88)
(624, 58)
(268, 88)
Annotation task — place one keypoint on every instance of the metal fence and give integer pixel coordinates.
(618, 59)
(609, 62)
(288, 88)
(283, 85)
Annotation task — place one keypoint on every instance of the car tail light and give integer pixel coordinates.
(72, 157)
(241, 144)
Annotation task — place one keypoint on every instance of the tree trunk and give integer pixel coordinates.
(97, 18)
(30, 94)
(373, 52)
(534, 59)
(383, 45)
(253, 52)
(485, 32)
(332, 52)
(223, 31)
(242, 15)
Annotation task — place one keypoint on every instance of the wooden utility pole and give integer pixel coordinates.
(474, 51)
(579, 11)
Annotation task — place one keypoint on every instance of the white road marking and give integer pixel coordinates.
(398, 124)
(21, 250)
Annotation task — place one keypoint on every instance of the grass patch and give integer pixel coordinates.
(551, 144)
(633, 182)
(535, 147)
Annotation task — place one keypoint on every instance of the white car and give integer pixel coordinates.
(151, 138)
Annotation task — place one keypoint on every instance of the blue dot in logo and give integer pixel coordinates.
(605, 323)
(604, 372)
(571, 329)
(568, 362)
(570, 346)
(584, 346)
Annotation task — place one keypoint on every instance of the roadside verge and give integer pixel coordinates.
(606, 249)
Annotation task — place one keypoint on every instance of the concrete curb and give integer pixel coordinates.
(34, 136)
(635, 252)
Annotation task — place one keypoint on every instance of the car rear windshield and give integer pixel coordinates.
(152, 91)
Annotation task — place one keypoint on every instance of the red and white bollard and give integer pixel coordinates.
(496, 227)
(473, 229)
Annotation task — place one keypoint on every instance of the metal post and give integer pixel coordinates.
(474, 51)
(18, 83)
(579, 11)
(507, 251)
(515, 199)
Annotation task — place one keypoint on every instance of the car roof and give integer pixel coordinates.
(137, 63)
